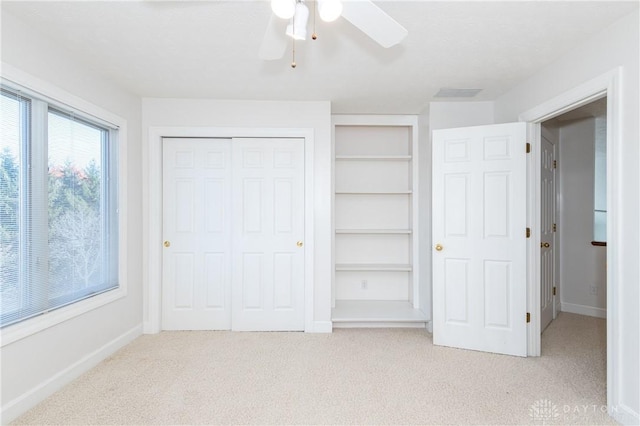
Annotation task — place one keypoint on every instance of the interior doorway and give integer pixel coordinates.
(573, 154)
(607, 84)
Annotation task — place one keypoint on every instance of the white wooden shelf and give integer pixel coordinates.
(375, 243)
(373, 231)
(374, 157)
(373, 192)
(373, 267)
(376, 311)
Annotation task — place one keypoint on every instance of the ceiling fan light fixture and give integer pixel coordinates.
(283, 8)
(297, 28)
(329, 10)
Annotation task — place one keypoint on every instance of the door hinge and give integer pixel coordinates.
(555, 227)
(528, 232)
(555, 164)
(528, 148)
(554, 291)
(528, 317)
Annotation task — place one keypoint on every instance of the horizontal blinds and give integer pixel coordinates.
(15, 231)
(58, 219)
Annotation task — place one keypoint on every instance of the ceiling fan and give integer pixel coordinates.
(290, 18)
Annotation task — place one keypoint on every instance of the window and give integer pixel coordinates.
(58, 207)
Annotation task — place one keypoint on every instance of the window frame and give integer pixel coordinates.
(108, 137)
(43, 96)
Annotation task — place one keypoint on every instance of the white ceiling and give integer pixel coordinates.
(209, 49)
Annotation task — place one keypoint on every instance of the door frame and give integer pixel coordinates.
(152, 233)
(608, 85)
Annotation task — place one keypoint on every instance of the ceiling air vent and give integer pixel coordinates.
(457, 93)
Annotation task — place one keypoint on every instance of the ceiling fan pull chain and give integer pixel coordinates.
(314, 36)
(293, 53)
(293, 43)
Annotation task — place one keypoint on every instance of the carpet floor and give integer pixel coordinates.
(352, 376)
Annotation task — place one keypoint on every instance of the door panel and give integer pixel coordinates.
(196, 291)
(497, 289)
(283, 281)
(456, 202)
(215, 273)
(479, 222)
(253, 274)
(456, 282)
(268, 187)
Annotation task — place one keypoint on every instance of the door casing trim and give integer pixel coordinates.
(609, 85)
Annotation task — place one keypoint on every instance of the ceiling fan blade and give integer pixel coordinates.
(374, 22)
(274, 42)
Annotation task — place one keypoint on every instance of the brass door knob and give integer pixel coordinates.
(167, 244)
(299, 244)
(545, 245)
(439, 247)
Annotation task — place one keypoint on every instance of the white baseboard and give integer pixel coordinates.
(379, 324)
(321, 327)
(583, 310)
(149, 328)
(624, 415)
(20, 405)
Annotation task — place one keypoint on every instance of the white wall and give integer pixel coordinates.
(259, 114)
(582, 265)
(616, 46)
(446, 115)
(38, 365)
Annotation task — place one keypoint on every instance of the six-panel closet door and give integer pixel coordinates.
(233, 229)
(196, 261)
(268, 234)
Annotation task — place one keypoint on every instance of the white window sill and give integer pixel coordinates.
(21, 330)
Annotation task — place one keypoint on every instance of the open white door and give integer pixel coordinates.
(479, 237)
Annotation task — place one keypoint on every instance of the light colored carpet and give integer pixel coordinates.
(363, 376)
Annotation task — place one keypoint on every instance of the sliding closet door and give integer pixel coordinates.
(233, 218)
(268, 234)
(196, 279)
